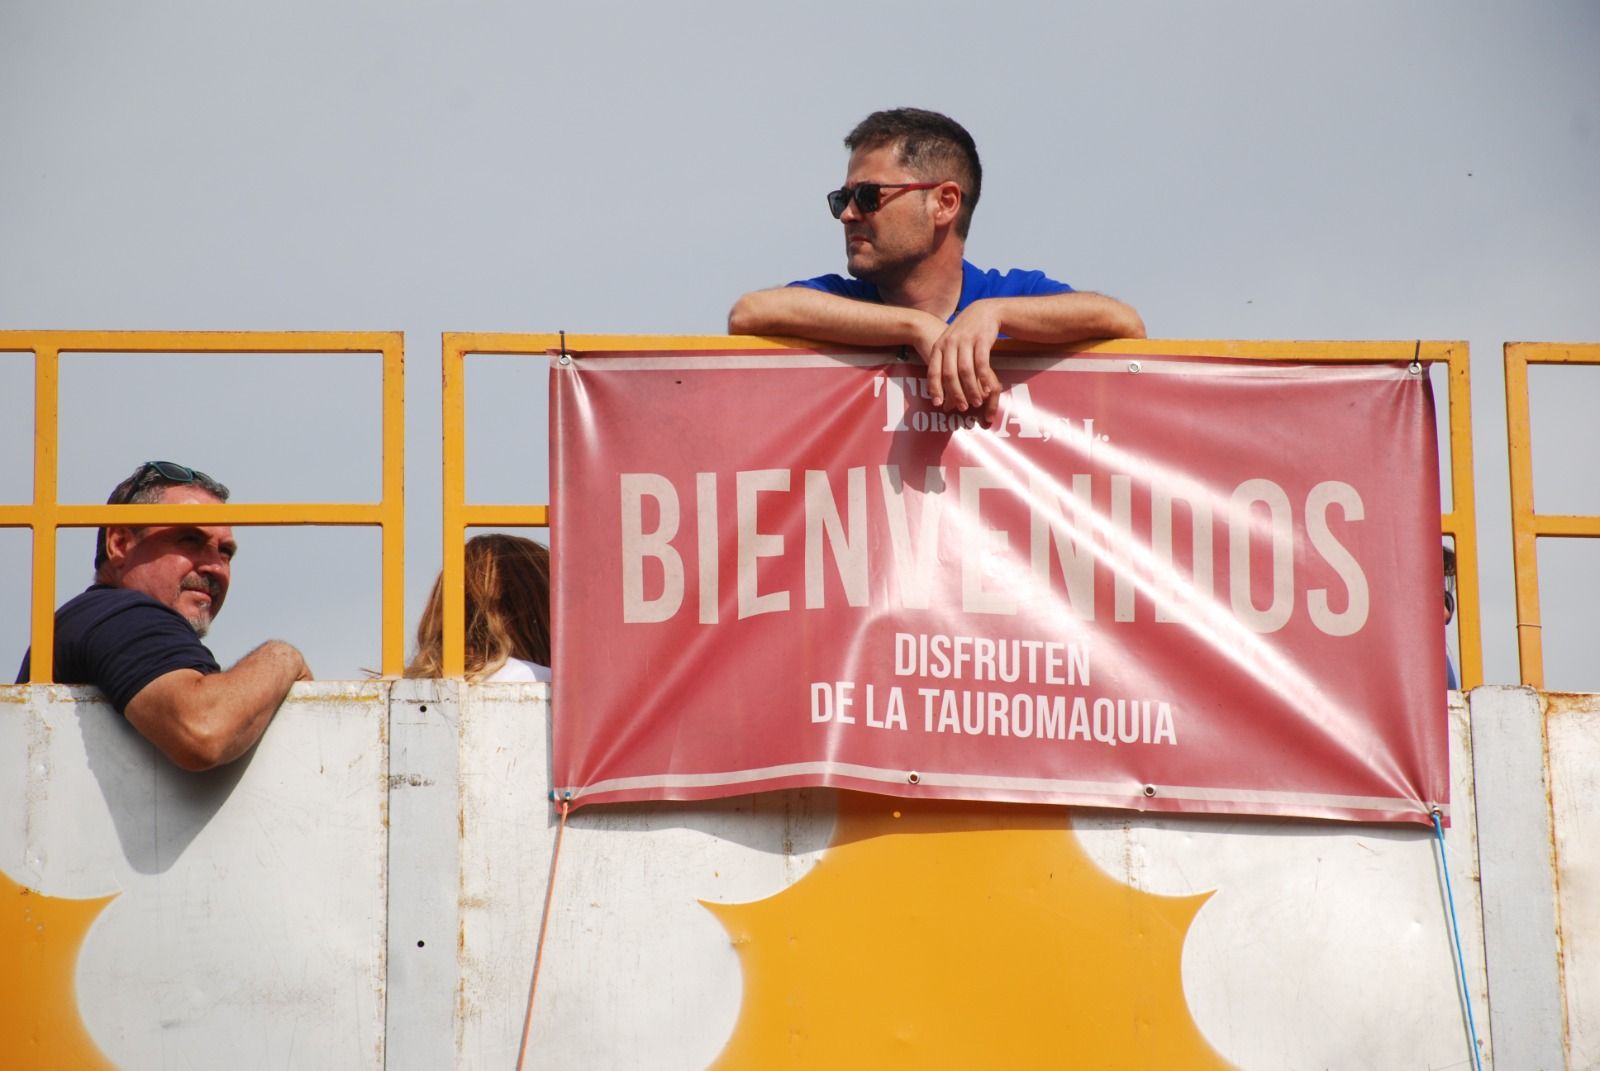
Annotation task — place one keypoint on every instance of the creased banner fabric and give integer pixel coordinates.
(1160, 583)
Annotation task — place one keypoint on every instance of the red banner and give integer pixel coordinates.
(1159, 583)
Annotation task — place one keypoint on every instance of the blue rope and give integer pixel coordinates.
(1461, 964)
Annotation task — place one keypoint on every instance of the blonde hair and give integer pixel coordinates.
(508, 609)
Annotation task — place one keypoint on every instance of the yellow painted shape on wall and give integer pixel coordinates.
(938, 934)
(40, 1028)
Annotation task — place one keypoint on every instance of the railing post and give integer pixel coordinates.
(1524, 539)
(46, 392)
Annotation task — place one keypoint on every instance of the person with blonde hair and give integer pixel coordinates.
(507, 580)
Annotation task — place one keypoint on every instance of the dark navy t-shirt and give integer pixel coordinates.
(976, 284)
(119, 641)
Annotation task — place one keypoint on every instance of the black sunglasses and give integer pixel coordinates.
(173, 472)
(867, 197)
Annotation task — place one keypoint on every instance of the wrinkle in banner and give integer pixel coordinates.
(1161, 583)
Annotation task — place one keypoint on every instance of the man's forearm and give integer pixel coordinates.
(800, 312)
(205, 720)
(1072, 317)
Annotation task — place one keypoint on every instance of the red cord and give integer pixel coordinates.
(544, 925)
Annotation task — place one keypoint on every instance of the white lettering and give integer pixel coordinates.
(913, 563)
(896, 716)
(1348, 623)
(991, 544)
(1170, 591)
(1016, 407)
(1166, 732)
(1052, 716)
(848, 541)
(1242, 525)
(1105, 721)
(1073, 540)
(755, 544)
(1122, 525)
(637, 545)
(1080, 720)
(706, 521)
(821, 702)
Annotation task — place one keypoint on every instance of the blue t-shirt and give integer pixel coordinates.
(976, 284)
(119, 641)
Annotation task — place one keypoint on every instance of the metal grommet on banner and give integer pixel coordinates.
(914, 777)
(1133, 366)
(1149, 790)
(565, 358)
(1416, 360)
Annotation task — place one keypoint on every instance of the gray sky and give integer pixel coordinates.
(1242, 170)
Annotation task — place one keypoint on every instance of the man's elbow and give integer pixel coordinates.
(191, 722)
(205, 743)
(1132, 324)
(763, 312)
(1119, 319)
(742, 319)
(196, 762)
(196, 751)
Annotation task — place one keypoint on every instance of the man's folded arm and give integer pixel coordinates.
(1075, 316)
(959, 372)
(800, 312)
(200, 720)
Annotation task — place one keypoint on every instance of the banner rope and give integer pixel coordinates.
(1461, 963)
(544, 926)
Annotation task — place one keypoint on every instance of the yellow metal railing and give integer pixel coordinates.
(1460, 523)
(1527, 527)
(46, 514)
(459, 515)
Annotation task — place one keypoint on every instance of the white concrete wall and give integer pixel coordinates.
(1325, 945)
(269, 905)
(249, 913)
(1573, 734)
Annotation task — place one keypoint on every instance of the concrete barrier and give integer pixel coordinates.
(364, 891)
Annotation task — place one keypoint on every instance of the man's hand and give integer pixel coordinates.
(959, 375)
(203, 720)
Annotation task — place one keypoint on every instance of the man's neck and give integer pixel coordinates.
(933, 284)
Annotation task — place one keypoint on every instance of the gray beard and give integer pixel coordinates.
(200, 624)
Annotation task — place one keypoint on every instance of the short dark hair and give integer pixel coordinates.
(146, 485)
(932, 146)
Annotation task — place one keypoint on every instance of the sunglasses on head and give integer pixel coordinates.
(867, 195)
(173, 472)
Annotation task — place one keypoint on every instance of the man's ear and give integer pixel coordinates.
(947, 203)
(119, 540)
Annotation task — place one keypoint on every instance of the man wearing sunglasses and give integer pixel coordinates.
(135, 633)
(912, 184)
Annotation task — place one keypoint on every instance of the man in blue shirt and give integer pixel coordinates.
(135, 633)
(912, 183)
